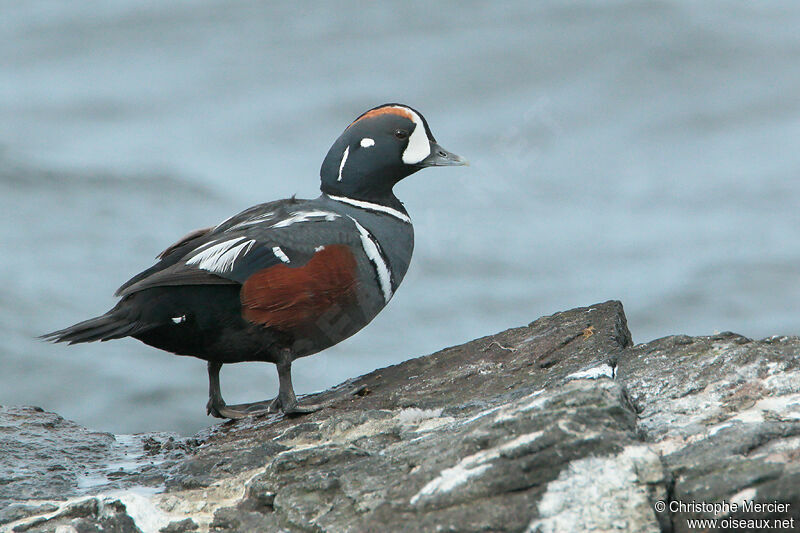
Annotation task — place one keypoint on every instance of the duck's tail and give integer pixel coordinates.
(113, 325)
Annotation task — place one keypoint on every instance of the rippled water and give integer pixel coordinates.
(637, 150)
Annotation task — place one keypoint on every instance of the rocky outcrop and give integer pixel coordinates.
(563, 425)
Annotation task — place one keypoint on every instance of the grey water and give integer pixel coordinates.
(638, 150)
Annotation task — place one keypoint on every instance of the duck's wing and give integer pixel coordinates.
(288, 233)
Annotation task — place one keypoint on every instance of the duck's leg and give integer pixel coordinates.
(216, 405)
(286, 400)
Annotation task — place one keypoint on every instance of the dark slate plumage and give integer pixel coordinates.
(289, 278)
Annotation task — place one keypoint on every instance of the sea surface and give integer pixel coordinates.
(646, 151)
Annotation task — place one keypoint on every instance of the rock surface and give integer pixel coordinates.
(563, 425)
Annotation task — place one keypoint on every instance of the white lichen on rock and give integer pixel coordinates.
(597, 372)
(470, 466)
(602, 494)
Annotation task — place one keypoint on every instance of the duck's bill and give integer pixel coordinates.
(440, 157)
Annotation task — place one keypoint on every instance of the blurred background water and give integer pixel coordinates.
(640, 150)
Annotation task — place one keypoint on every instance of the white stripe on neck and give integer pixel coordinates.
(344, 160)
(376, 258)
(373, 207)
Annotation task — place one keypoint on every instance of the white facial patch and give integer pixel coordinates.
(344, 160)
(418, 145)
(179, 319)
(366, 142)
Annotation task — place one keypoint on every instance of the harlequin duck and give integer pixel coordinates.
(289, 278)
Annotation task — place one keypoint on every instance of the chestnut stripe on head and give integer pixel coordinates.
(387, 110)
(419, 147)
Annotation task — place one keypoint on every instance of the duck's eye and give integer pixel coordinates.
(401, 134)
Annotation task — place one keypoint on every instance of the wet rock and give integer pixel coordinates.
(16, 511)
(62, 459)
(58, 454)
(562, 425)
(89, 516)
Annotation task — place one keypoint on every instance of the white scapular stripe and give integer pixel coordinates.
(304, 216)
(372, 207)
(344, 160)
(418, 145)
(253, 221)
(221, 256)
(374, 254)
(279, 254)
(366, 142)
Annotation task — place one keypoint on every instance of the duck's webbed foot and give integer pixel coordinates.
(216, 405)
(286, 401)
(293, 408)
(220, 410)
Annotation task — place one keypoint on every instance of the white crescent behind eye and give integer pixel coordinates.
(418, 146)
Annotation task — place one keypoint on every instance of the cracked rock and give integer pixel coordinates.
(562, 425)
